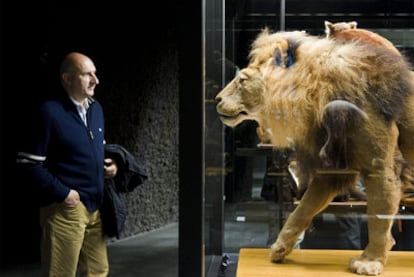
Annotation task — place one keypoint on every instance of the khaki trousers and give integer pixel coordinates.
(72, 240)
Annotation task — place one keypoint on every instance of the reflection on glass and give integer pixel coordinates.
(250, 189)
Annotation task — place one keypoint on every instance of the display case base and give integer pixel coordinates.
(254, 262)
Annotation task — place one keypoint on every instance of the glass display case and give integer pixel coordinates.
(249, 188)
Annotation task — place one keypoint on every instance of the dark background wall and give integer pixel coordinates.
(137, 64)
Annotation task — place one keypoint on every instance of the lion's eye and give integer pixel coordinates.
(242, 78)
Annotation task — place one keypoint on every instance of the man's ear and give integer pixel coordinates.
(66, 78)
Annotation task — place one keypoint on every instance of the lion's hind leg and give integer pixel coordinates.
(383, 191)
(383, 195)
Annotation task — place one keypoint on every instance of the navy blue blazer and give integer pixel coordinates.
(65, 154)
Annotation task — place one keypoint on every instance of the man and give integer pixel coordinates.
(66, 162)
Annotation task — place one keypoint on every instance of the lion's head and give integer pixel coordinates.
(256, 91)
(247, 96)
(242, 98)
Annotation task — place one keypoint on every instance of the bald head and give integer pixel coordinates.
(72, 62)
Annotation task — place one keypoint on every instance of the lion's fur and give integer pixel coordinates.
(331, 29)
(325, 71)
(348, 31)
(340, 106)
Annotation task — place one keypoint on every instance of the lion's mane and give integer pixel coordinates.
(376, 81)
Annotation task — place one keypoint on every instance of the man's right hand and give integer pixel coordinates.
(73, 199)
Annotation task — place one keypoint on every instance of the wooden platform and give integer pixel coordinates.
(254, 262)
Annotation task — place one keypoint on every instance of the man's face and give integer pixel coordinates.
(82, 82)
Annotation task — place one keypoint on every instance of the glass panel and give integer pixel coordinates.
(250, 190)
(214, 135)
(252, 216)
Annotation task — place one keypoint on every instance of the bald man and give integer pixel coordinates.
(65, 160)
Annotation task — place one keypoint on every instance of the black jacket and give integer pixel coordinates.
(129, 176)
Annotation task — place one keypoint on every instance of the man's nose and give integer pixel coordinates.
(95, 78)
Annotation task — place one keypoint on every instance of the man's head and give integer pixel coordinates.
(78, 76)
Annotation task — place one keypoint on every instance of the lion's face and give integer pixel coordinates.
(242, 98)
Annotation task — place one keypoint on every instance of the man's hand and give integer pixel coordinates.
(110, 168)
(73, 199)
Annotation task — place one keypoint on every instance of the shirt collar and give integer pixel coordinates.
(85, 105)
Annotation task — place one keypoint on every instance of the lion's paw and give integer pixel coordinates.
(365, 267)
(278, 251)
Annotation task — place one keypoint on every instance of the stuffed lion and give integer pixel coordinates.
(346, 110)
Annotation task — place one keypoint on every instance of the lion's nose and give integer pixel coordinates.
(217, 99)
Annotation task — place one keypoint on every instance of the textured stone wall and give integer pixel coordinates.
(140, 100)
(136, 64)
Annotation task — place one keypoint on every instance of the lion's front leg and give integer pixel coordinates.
(383, 196)
(316, 198)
